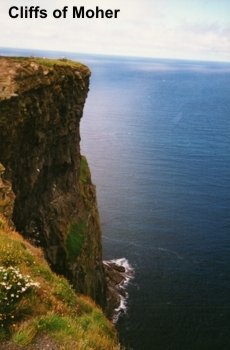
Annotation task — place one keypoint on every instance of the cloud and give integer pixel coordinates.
(166, 28)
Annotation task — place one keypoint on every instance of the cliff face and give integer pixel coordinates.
(41, 104)
(6, 197)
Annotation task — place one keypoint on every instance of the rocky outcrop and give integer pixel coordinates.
(41, 104)
(118, 274)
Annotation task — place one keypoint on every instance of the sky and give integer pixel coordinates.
(184, 29)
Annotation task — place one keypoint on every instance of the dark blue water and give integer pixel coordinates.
(157, 136)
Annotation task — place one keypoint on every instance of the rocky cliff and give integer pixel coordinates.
(6, 197)
(41, 104)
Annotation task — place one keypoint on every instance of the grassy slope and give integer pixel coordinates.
(35, 303)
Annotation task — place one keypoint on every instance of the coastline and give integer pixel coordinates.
(118, 275)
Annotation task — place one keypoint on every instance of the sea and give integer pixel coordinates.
(156, 133)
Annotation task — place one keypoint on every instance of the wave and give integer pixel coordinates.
(126, 273)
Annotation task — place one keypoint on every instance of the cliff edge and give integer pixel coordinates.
(41, 104)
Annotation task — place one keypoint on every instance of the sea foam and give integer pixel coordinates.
(127, 275)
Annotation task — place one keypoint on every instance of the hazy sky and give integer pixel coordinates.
(193, 29)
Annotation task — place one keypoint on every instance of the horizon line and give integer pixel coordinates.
(112, 55)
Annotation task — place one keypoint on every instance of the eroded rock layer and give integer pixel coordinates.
(41, 104)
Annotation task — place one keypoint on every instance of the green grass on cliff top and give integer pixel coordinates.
(48, 62)
(39, 309)
(60, 62)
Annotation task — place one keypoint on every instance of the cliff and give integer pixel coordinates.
(6, 197)
(41, 104)
(39, 309)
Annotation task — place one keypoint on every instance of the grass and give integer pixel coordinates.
(64, 293)
(49, 307)
(75, 239)
(15, 253)
(59, 62)
(84, 170)
(50, 63)
(25, 335)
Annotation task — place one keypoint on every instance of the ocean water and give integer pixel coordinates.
(157, 137)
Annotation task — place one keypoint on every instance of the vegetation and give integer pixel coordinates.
(75, 239)
(37, 304)
(59, 62)
(49, 62)
(84, 170)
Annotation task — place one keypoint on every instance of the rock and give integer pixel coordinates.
(41, 104)
(7, 196)
(116, 277)
(118, 268)
(113, 275)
